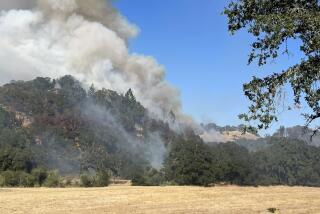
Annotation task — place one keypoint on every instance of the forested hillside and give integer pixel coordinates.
(50, 126)
(58, 125)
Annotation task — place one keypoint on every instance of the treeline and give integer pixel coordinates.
(41, 177)
(191, 162)
(38, 177)
(21, 164)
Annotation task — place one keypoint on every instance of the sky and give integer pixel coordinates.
(202, 59)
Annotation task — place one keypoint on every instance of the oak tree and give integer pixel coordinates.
(273, 23)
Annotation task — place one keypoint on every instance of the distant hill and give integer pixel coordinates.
(299, 132)
(254, 142)
(228, 133)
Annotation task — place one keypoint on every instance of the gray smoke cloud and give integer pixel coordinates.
(16, 4)
(152, 149)
(85, 39)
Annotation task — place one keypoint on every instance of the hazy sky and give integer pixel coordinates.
(202, 59)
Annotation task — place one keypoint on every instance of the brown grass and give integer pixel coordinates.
(163, 200)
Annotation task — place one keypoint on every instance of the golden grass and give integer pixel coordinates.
(163, 200)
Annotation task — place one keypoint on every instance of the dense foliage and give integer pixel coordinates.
(72, 130)
(57, 124)
(285, 163)
(150, 177)
(100, 179)
(274, 23)
(190, 162)
(51, 126)
(282, 162)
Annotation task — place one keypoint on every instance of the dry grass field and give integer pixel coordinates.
(163, 200)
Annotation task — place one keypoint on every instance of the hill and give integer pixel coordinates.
(68, 128)
(299, 132)
(226, 133)
(94, 134)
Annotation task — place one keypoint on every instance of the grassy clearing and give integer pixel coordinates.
(127, 199)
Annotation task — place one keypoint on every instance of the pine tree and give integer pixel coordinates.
(92, 91)
(129, 96)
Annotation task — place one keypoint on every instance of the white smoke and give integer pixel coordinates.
(153, 148)
(88, 40)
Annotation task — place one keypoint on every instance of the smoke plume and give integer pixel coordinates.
(85, 39)
(16, 4)
(153, 149)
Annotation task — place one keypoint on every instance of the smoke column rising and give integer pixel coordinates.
(88, 40)
(16, 4)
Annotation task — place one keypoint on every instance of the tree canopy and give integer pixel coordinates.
(274, 23)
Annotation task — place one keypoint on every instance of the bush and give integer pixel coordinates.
(53, 179)
(1, 181)
(10, 179)
(16, 178)
(139, 180)
(86, 181)
(102, 179)
(272, 210)
(40, 175)
(26, 180)
(151, 177)
(155, 178)
(68, 182)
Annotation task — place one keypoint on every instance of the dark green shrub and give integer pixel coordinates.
(272, 210)
(1, 181)
(53, 179)
(26, 180)
(14, 155)
(139, 180)
(151, 177)
(86, 181)
(16, 178)
(102, 179)
(155, 177)
(10, 179)
(40, 175)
